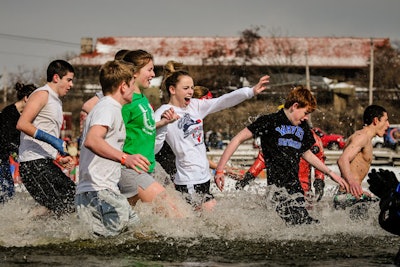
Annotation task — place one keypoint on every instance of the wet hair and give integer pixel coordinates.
(303, 97)
(113, 73)
(200, 91)
(371, 112)
(121, 53)
(172, 73)
(139, 58)
(59, 67)
(24, 90)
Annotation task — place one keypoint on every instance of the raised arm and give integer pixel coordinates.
(261, 85)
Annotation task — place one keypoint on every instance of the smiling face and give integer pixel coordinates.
(182, 92)
(144, 76)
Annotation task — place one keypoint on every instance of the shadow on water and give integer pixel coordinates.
(242, 231)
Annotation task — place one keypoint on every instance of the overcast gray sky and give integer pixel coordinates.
(33, 32)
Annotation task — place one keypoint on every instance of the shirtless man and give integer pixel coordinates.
(355, 161)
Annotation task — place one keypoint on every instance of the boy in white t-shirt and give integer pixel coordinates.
(98, 199)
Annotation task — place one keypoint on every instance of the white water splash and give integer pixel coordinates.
(239, 215)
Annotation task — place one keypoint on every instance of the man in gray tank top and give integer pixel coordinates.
(41, 149)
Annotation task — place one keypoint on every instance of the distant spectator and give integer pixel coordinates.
(10, 139)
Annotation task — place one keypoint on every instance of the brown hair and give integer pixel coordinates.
(200, 91)
(139, 58)
(121, 53)
(24, 90)
(303, 97)
(173, 71)
(113, 73)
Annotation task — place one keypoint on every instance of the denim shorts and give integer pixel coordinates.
(106, 213)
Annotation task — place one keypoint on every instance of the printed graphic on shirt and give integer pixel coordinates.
(290, 130)
(148, 126)
(186, 123)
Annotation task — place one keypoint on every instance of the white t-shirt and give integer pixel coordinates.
(186, 135)
(49, 120)
(95, 172)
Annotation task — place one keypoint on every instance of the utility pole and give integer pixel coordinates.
(371, 72)
(4, 79)
(308, 83)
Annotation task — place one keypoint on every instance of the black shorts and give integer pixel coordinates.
(196, 194)
(48, 185)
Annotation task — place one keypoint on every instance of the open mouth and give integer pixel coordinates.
(187, 100)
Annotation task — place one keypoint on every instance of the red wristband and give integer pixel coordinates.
(58, 158)
(219, 172)
(123, 158)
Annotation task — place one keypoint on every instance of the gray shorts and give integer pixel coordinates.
(105, 213)
(131, 180)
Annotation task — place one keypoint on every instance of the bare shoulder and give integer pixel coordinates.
(359, 138)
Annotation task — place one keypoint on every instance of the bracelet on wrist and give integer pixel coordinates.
(219, 172)
(58, 158)
(123, 159)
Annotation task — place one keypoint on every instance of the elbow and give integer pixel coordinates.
(88, 144)
(19, 126)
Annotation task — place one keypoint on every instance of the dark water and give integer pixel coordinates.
(242, 231)
(162, 251)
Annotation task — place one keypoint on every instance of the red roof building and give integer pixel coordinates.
(273, 51)
(338, 56)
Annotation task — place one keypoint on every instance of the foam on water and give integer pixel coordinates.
(239, 215)
(243, 230)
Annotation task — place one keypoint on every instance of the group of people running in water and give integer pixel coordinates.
(122, 135)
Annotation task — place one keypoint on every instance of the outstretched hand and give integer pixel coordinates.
(382, 183)
(261, 85)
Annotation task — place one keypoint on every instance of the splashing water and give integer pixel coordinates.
(243, 229)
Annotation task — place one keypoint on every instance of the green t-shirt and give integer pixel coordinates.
(140, 128)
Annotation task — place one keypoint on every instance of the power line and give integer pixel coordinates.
(36, 39)
(22, 54)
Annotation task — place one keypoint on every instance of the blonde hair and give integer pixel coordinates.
(200, 91)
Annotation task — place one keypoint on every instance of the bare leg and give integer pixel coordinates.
(156, 190)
